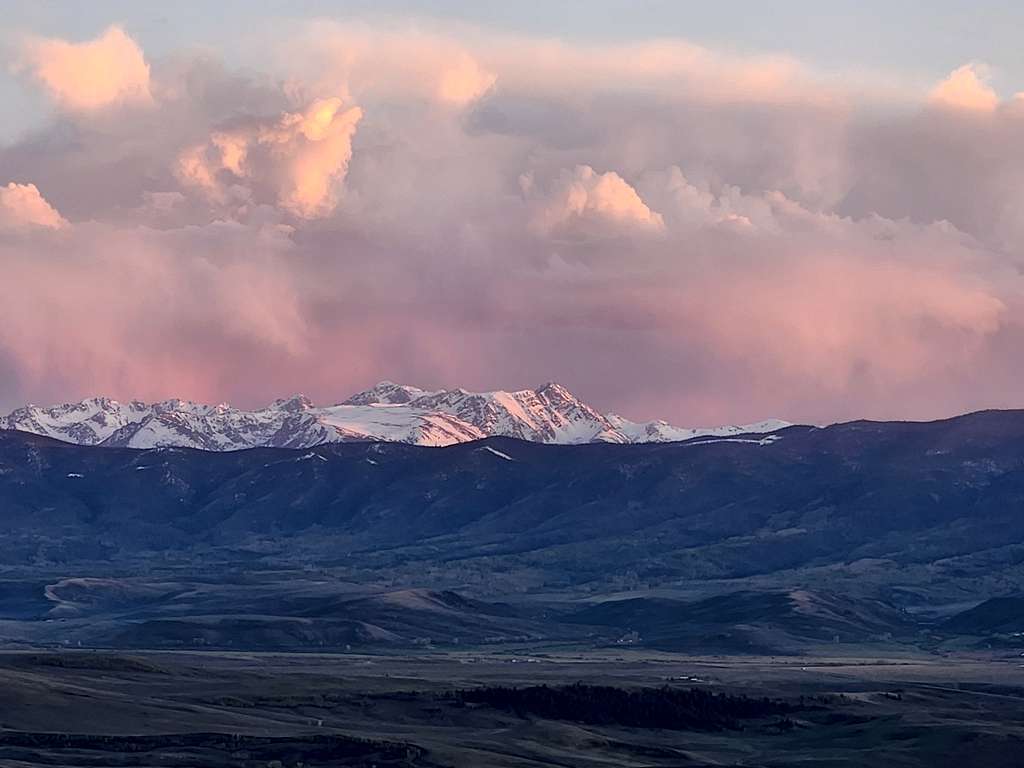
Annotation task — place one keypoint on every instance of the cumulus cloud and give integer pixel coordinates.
(673, 232)
(583, 199)
(301, 159)
(966, 87)
(22, 207)
(90, 75)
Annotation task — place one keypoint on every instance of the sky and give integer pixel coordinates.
(706, 213)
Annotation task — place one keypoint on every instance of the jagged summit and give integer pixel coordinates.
(385, 393)
(387, 412)
(553, 389)
(294, 404)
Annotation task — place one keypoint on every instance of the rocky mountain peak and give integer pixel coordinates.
(293, 404)
(385, 393)
(387, 412)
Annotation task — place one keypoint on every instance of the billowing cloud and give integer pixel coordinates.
(966, 88)
(301, 159)
(375, 65)
(690, 206)
(90, 75)
(672, 231)
(584, 199)
(22, 207)
(462, 80)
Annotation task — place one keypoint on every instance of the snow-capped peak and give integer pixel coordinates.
(387, 412)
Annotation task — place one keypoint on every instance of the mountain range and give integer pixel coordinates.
(760, 542)
(930, 506)
(387, 412)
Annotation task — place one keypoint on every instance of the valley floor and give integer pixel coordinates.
(242, 710)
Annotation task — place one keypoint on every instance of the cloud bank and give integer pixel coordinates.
(671, 231)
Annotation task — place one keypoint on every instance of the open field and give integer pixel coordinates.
(246, 709)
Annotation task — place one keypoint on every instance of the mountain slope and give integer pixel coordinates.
(387, 412)
(911, 510)
(998, 615)
(746, 620)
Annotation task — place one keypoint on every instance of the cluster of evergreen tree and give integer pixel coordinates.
(665, 707)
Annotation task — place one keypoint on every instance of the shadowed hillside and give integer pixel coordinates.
(748, 622)
(871, 496)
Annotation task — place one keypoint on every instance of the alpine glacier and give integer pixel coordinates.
(387, 412)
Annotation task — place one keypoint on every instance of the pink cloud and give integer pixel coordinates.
(374, 64)
(585, 199)
(415, 61)
(125, 310)
(756, 240)
(302, 157)
(966, 88)
(87, 76)
(22, 207)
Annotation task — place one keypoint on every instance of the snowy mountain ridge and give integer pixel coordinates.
(387, 412)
